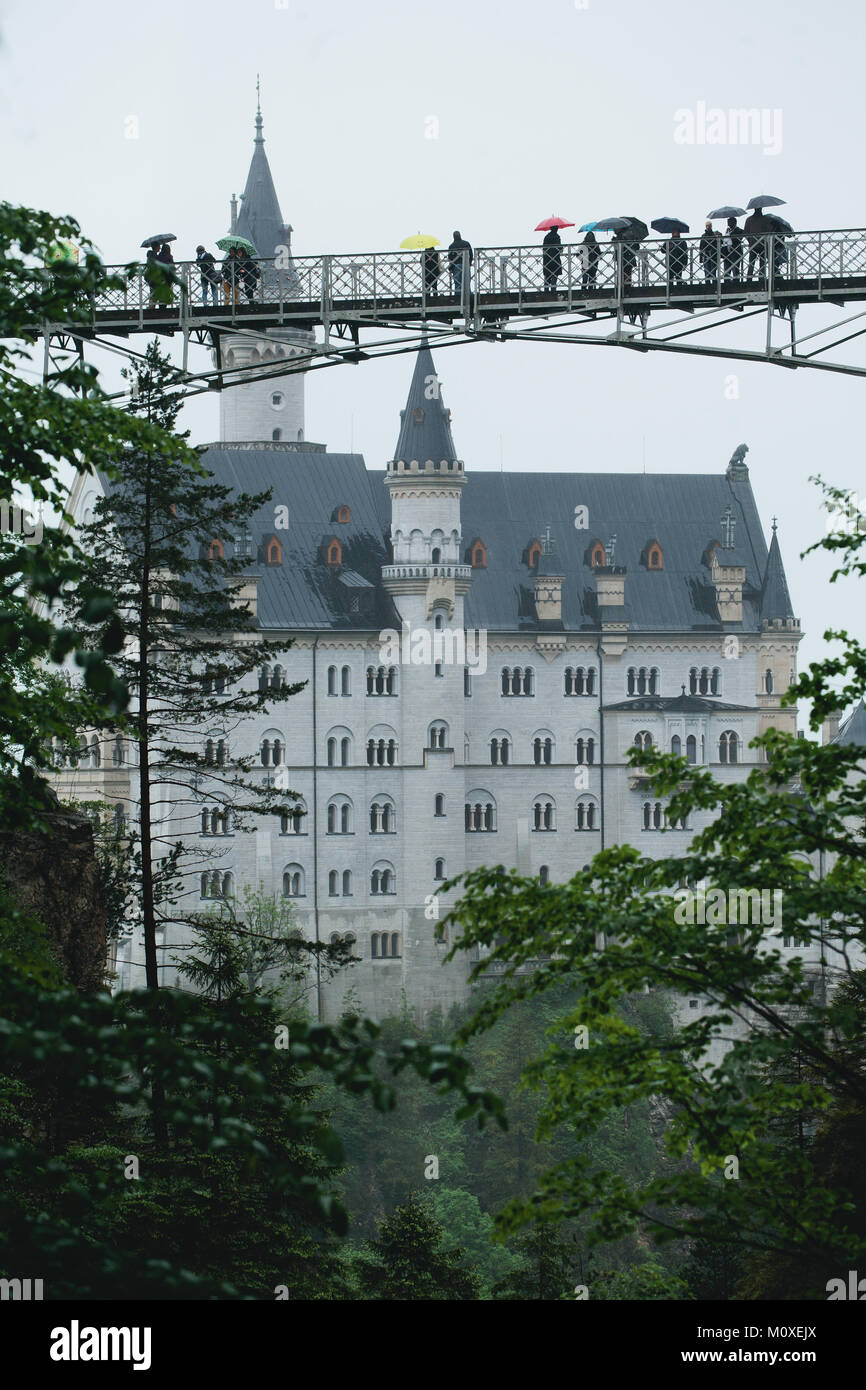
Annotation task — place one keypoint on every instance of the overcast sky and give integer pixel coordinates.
(554, 106)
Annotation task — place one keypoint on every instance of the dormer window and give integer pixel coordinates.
(274, 552)
(343, 515)
(215, 550)
(533, 554)
(418, 415)
(654, 556)
(597, 557)
(478, 556)
(335, 553)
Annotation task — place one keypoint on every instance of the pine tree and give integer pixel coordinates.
(407, 1263)
(171, 545)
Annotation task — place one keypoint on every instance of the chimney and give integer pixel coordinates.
(728, 581)
(234, 216)
(610, 595)
(830, 727)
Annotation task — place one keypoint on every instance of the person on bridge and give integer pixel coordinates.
(459, 255)
(678, 258)
(755, 229)
(432, 270)
(709, 247)
(210, 276)
(153, 276)
(250, 273)
(589, 258)
(551, 259)
(231, 276)
(732, 250)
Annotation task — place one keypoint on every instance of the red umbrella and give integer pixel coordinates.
(549, 222)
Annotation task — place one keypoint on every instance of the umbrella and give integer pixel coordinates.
(158, 240)
(227, 242)
(726, 212)
(669, 224)
(553, 221)
(588, 227)
(610, 224)
(419, 242)
(779, 225)
(62, 251)
(634, 230)
(765, 200)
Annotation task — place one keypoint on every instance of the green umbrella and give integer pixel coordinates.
(227, 242)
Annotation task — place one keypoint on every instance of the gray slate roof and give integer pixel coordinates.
(854, 728)
(425, 428)
(775, 599)
(260, 219)
(675, 704)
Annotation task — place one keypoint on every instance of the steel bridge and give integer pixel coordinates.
(633, 295)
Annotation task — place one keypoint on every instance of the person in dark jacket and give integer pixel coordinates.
(231, 276)
(459, 254)
(709, 248)
(678, 258)
(551, 259)
(210, 276)
(629, 259)
(250, 273)
(153, 275)
(432, 270)
(589, 258)
(732, 250)
(756, 228)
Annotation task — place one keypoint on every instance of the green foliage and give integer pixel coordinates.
(407, 1260)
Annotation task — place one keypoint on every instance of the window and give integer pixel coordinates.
(215, 550)
(439, 869)
(272, 748)
(347, 883)
(676, 745)
(643, 740)
(333, 881)
(544, 874)
(597, 555)
(118, 756)
(692, 749)
(479, 812)
(274, 552)
(654, 557)
(339, 748)
(542, 749)
(586, 813)
(346, 680)
(768, 681)
(339, 816)
(293, 822)
(215, 752)
(293, 881)
(435, 558)
(381, 680)
(381, 752)
(383, 880)
(439, 804)
(332, 680)
(276, 435)
(278, 400)
(95, 753)
(383, 816)
(716, 681)
(335, 553)
(518, 680)
(478, 556)
(385, 944)
(499, 750)
(543, 814)
(437, 735)
(534, 554)
(119, 819)
(467, 682)
(584, 749)
(344, 515)
(228, 885)
(580, 680)
(214, 821)
(728, 742)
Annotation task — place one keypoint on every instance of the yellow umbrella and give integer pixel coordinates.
(419, 242)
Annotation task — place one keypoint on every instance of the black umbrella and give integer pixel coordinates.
(635, 231)
(726, 212)
(766, 200)
(610, 224)
(158, 240)
(778, 225)
(669, 224)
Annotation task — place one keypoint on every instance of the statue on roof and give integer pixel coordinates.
(739, 455)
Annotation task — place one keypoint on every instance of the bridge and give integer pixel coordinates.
(359, 306)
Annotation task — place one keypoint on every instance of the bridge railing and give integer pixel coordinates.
(655, 268)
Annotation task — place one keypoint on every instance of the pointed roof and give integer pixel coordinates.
(260, 219)
(854, 728)
(775, 599)
(425, 429)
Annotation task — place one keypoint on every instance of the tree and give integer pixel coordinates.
(546, 1271)
(64, 422)
(169, 544)
(795, 826)
(407, 1262)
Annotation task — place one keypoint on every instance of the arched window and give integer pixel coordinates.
(534, 554)
(631, 681)
(479, 812)
(395, 943)
(265, 752)
(693, 681)
(332, 752)
(119, 819)
(584, 749)
(435, 558)
(374, 945)
(641, 681)
(381, 751)
(293, 881)
(221, 752)
(544, 874)
(293, 822)
(332, 680)
(437, 735)
(768, 681)
(215, 550)
(597, 557)
(586, 813)
(345, 751)
(335, 553)
(95, 752)
(383, 881)
(208, 750)
(439, 869)
(346, 680)
(716, 682)
(676, 745)
(118, 756)
(339, 816)
(580, 680)
(333, 881)
(383, 816)
(704, 681)
(653, 684)
(654, 557)
(343, 515)
(478, 558)
(542, 749)
(543, 813)
(728, 743)
(692, 748)
(439, 804)
(227, 887)
(274, 552)
(500, 750)
(347, 883)
(643, 740)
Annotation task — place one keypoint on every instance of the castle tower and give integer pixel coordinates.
(261, 411)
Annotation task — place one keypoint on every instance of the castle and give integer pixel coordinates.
(480, 651)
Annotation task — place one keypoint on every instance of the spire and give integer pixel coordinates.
(775, 599)
(425, 429)
(260, 219)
